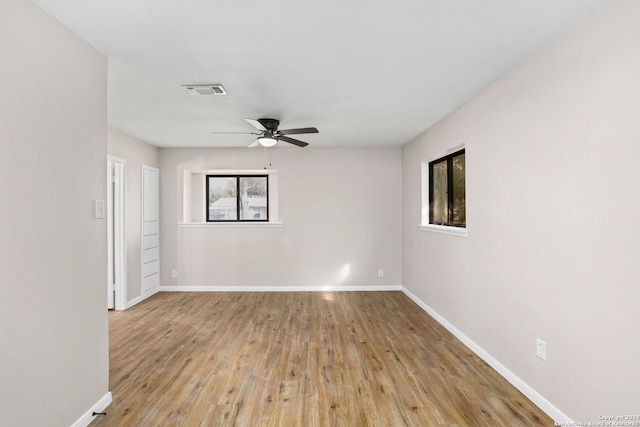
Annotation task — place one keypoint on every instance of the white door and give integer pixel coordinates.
(150, 230)
(116, 265)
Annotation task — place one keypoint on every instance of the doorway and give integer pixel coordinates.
(116, 242)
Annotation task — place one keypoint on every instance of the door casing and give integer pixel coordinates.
(116, 234)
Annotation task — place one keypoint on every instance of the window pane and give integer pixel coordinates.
(253, 198)
(439, 206)
(222, 199)
(458, 216)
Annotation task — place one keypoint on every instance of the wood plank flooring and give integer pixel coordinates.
(299, 359)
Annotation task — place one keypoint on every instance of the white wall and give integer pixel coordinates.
(54, 357)
(552, 197)
(136, 153)
(340, 210)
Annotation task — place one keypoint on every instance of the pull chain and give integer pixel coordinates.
(265, 156)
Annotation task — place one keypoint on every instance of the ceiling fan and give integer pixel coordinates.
(269, 134)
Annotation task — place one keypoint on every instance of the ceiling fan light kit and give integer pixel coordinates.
(267, 141)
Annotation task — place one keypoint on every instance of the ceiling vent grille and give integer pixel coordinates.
(205, 89)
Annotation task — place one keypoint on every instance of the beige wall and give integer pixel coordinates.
(136, 153)
(53, 334)
(340, 210)
(552, 185)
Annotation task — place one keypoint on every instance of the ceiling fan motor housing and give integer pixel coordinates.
(270, 124)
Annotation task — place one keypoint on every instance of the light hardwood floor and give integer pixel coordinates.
(299, 359)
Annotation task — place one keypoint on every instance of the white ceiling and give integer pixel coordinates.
(366, 73)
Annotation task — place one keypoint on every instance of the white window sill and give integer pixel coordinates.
(443, 229)
(229, 224)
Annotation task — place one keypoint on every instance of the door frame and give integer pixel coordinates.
(116, 224)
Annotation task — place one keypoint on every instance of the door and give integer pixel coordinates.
(150, 230)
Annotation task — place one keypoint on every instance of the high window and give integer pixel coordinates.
(447, 203)
(237, 198)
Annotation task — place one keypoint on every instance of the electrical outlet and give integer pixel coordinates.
(541, 349)
(174, 273)
(381, 273)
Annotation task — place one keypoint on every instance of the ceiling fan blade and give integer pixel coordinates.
(256, 124)
(295, 131)
(293, 141)
(235, 133)
(254, 144)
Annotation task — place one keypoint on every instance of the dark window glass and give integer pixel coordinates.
(253, 198)
(458, 208)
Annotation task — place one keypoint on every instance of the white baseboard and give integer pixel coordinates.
(100, 406)
(278, 288)
(555, 413)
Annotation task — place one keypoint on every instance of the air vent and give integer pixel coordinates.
(205, 89)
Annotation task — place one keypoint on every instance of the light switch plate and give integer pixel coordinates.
(99, 209)
(541, 349)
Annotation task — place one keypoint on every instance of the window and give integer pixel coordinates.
(447, 204)
(237, 198)
(195, 200)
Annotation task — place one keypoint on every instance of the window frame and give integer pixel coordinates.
(238, 207)
(449, 159)
(425, 203)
